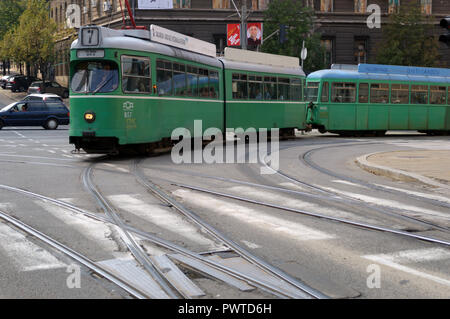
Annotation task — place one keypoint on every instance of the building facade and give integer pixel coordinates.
(342, 23)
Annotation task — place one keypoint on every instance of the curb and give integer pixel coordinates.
(394, 173)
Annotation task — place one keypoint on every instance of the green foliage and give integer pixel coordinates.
(10, 11)
(408, 40)
(299, 20)
(32, 40)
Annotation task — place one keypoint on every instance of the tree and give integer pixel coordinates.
(32, 40)
(299, 22)
(10, 11)
(407, 39)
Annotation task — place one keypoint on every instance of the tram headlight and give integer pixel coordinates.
(89, 117)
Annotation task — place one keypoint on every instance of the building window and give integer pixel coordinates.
(360, 50)
(393, 6)
(326, 5)
(360, 6)
(426, 6)
(262, 5)
(327, 44)
(181, 4)
(221, 4)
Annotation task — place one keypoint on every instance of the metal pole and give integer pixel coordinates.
(244, 27)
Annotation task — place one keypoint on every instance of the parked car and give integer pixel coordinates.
(20, 82)
(43, 97)
(4, 79)
(48, 87)
(48, 114)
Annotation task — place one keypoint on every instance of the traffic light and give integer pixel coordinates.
(445, 23)
(283, 33)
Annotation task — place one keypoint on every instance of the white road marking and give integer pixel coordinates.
(298, 204)
(347, 183)
(254, 218)
(389, 203)
(95, 231)
(394, 260)
(26, 256)
(116, 167)
(162, 217)
(430, 196)
(250, 244)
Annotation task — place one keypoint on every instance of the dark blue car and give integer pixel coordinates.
(48, 114)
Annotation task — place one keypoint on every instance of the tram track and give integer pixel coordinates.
(306, 158)
(164, 244)
(158, 192)
(383, 209)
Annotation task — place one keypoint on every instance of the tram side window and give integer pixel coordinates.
(399, 93)
(213, 84)
(255, 87)
(379, 93)
(192, 81)
(419, 94)
(270, 88)
(363, 95)
(136, 74)
(325, 92)
(203, 88)
(283, 89)
(164, 77)
(296, 90)
(437, 94)
(312, 91)
(239, 86)
(342, 92)
(179, 79)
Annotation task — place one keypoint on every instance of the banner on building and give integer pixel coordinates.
(254, 34)
(155, 4)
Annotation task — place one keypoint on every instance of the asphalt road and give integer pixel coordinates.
(339, 260)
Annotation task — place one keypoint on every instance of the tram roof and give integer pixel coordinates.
(385, 73)
(139, 40)
(243, 66)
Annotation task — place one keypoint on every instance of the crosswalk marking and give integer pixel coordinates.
(389, 203)
(26, 256)
(297, 204)
(397, 259)
(253, 217)
(162, 217)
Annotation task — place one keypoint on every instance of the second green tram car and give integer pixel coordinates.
(127, 90)
(371, 98)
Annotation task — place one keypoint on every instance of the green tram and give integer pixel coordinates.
(371, 99)
(132, 88)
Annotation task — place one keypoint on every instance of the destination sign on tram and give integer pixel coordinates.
(90, 54)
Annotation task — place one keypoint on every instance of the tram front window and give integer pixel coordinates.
(95, 77)
(312, 91)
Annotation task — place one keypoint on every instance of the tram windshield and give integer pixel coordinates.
(95, 77)
(312, 91)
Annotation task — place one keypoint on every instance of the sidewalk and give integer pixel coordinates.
(430, 167)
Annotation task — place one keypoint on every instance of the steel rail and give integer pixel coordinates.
(306, 157)
(218, 235)
(128, 239)
(341, 220)
(158, 241)
(348, 201)
(379, 208)
(74, 255)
